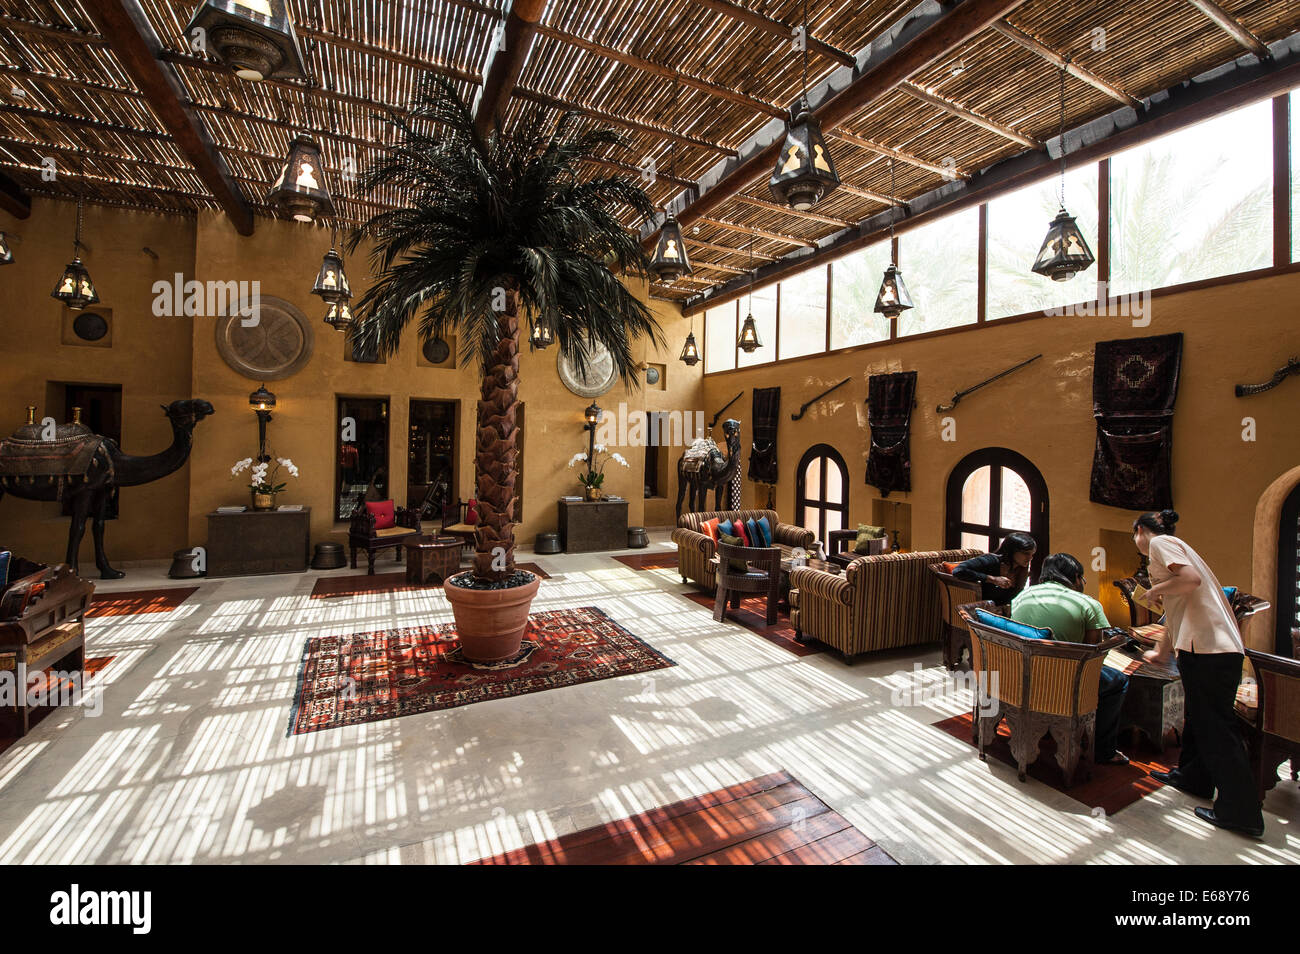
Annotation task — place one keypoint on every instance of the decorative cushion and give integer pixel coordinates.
(738, 530)
(383, 513)
(1011, 626)
(765, 528)
(5, 556)
(725, 526)
(754, 535)
(950, 567)
(737, 565)
(471, 512)
(710, 529)
(1229, 591)
(862, 545)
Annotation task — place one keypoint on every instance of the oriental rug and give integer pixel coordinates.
(1111, 788)
(370, 677)
(772, 820)
(357, 584)
(130, 602)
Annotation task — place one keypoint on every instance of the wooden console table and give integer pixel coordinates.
(259, 541)
(586, 526)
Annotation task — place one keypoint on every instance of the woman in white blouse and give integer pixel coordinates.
(1201, 627)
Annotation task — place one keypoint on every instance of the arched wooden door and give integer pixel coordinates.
(991, 493)
(1286, 601)
(821, 501)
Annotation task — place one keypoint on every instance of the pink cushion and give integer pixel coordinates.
(738, 528)
(383, 514)
(471, 512)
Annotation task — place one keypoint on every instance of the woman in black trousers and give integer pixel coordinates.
(1201, 627)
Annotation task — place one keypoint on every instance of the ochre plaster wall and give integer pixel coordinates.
(1233, 333)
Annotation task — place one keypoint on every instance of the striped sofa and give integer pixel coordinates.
(695, 549)
(880, 602)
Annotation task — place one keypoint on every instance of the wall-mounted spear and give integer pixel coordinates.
(803, 410)
(956, 398)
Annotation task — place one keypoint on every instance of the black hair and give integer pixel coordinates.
(1015, 543)
(1062, 568)
(1158, 523)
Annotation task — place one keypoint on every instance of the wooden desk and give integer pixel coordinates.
(586, 526)
(259, 541)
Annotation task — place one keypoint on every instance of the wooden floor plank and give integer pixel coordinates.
(777, 842)
(872, 856)
(825, 851)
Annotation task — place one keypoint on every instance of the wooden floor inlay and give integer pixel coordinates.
(771, 820)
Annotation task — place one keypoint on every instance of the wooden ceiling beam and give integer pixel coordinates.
(766, 24)
(533, 96)
(14, 198)
(419, 64)
(970, 116)
(126, 26)
(758, 233)
(786, 210)
(1023, 39)
(953, 171)
(1232, 26)
(510, 49)
(728, 250)
(51, 32)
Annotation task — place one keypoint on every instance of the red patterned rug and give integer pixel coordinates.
(1111, 787)
(358, 584)
(129, 602)
(11, 726)
(659, 560)
(370, 677)
(753, 616)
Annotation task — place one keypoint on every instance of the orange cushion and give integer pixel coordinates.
(383, 513)
(710, 529)
(950, 567)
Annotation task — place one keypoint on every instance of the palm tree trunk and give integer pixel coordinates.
(496, 450)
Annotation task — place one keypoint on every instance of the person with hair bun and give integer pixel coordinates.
(1201, 627)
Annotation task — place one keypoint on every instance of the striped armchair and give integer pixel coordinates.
(881, 602)
(695, 550)
(1038, 686)
(1275, 719)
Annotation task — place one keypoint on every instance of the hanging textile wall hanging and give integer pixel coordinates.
(1134, 385)
(762, 454)
(890, 399)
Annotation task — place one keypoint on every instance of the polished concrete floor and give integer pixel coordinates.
(190, 760)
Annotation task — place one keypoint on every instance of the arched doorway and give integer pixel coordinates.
(1286, 599)
(991, 493)
(821, 499)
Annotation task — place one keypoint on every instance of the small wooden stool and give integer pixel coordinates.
(428, 556)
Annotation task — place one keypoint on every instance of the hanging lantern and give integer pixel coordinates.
(804, 172)
(339, 317)
(690, 351)
(670, 260)
(1065, 251)
(332, 284)
(749, 341)
(541, 337)
(74, 288)
(253, 37)
(300, 191)
(893, 299)
(6, 253)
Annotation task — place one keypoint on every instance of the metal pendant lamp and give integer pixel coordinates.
(749, 340)
(805, 172)
(893, 298)
(1065, 251)
(75, 287)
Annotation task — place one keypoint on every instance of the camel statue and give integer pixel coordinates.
(702, 466)
(88, 469)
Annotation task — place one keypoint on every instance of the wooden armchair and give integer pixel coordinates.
(1244, 606)
(954, 593)
(1038, 686)
(842, 551)
(362, 534)
(1276, 719)
(762, 575)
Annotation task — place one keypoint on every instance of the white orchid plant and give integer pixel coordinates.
(595, 474)
(261, 476)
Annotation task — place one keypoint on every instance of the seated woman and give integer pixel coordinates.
(1057, 602)
(1004, 572)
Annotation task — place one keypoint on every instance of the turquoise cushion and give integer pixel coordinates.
(1230, 592)
(1011, 626)
(725, 526)
(4, 568)
(765, 528)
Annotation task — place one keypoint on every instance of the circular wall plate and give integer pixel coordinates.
(651, 375)
(274, 344)
(599, 376)
(89, 326)
(436, 351)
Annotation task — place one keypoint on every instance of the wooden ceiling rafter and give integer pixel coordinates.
(1232, 26)
(776, 28)
(509, 52)
(760, 233)
(1043, 51)
(727, 249)
(786, 210)
(969, 115)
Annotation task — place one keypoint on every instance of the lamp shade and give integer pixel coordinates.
(749, 341)
(261, 399)
(541, 337)
(255, 38)
(1065, 251)
(331, 283)
(75, 289)
(893, 298)
(690, 351)
(593, 414)
(6, 253)
(804, 172)
(300, 191)
(339, 317)
(670, 261)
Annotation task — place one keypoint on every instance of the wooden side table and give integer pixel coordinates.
(429, 556)
(259, 541)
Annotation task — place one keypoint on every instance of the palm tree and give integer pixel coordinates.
(497, 227)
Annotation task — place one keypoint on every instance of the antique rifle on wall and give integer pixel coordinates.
(1280, 375)
(956, 398)
(714, 423)
(807, 404)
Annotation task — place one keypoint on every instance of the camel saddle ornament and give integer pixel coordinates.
(25, 457)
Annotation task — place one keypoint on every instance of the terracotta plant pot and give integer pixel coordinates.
(491, 623)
